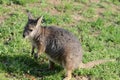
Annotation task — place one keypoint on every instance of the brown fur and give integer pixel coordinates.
(60, 46)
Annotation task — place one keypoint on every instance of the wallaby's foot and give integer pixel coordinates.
(36, 56)
(68, 75)
(67, 78)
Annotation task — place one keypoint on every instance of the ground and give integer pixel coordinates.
(96, 23)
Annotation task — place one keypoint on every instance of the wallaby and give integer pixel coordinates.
(61, 46)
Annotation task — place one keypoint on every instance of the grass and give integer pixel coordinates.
(20, 2)
(97, 25)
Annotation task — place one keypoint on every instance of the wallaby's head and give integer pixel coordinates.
(32, 26)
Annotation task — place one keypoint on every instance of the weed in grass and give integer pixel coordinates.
(89, 13)
(82, 1)
(64, 7)
(98, 24)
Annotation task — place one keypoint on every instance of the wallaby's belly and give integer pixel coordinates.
(54, 51)
(59, 51)
(61, 46)
(73, 54)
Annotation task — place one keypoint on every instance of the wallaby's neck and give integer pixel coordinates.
(39, 34)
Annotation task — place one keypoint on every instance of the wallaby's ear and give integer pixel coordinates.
(29, 15)
(39, 20)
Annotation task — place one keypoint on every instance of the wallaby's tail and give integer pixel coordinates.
(94, 63)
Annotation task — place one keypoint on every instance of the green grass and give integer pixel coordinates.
(19, 2)
(98, 32)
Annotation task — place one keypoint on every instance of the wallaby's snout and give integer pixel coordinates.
(25, 34)
(28, 31)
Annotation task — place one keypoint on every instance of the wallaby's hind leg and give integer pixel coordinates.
(68, 75)
(68, 66)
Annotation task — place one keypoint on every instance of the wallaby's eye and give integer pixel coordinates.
(30, 30)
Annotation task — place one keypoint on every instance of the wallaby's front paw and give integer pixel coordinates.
(36, 56)
(32, 54)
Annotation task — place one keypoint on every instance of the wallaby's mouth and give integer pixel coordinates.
(25, 37)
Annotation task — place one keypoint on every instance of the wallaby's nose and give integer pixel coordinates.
(23, 35)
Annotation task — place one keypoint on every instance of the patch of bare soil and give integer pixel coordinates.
(54, 2)
(49, 7)
(2, 18)
(30, 77)
(52, 11)
(77, 17)
(94, 1)
(11, 10)
(98, 10)
(35, 4)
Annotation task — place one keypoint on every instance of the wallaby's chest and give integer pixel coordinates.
(35, 43)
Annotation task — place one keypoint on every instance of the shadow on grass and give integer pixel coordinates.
(24, 64)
